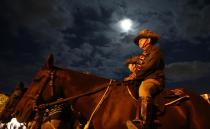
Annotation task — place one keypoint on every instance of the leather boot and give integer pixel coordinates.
(146, 112)
(137, 121)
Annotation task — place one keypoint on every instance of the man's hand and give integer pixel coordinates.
(132, 60)
(132, 67)
(126, 78)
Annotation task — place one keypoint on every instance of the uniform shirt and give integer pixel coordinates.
(149, 64)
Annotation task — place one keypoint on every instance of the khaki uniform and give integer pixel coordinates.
(149, 70)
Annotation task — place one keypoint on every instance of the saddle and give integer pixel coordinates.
(166, 98)
(170, 97)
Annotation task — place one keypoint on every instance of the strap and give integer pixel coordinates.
(97, 106)
(129, 91)
(42, 87)
(177, 100)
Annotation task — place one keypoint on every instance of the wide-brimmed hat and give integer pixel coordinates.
(146, 33)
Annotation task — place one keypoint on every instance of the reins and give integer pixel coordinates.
(61, 100)
(65, 100)
(98, 106)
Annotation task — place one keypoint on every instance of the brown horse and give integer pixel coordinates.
(58, 116)
(105, 103)
(3, 100)
(8, 110)
(16, 94)
(7, 114)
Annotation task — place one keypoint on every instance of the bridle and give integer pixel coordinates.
(51, 84)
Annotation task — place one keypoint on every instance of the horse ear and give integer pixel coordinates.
(50, 62)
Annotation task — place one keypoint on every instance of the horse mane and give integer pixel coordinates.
(85, 76)
(81, 72)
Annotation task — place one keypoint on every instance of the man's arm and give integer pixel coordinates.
(149, 64)
(132, 60)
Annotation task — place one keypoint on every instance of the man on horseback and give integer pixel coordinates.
(147, 67)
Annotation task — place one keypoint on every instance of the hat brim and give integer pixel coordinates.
(155, 38)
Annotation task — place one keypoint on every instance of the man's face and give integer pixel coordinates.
(143, 42)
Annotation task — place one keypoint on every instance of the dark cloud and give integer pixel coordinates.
(86, 36)
(186, 71)
(183, 50)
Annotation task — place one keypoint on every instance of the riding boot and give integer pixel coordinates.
(146, 112)
(137, 120)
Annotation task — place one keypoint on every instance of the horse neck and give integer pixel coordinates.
(79, 83)
(116, 95)
(76, 82)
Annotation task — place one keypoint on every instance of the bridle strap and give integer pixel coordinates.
(50, 82)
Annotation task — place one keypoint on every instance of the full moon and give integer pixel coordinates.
(126, 24)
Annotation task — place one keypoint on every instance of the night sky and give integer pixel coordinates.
(84, 35)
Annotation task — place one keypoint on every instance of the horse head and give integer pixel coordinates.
(51, 83)
(24, 110)
(14, 98)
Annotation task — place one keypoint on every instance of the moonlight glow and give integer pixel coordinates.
(126, 24)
